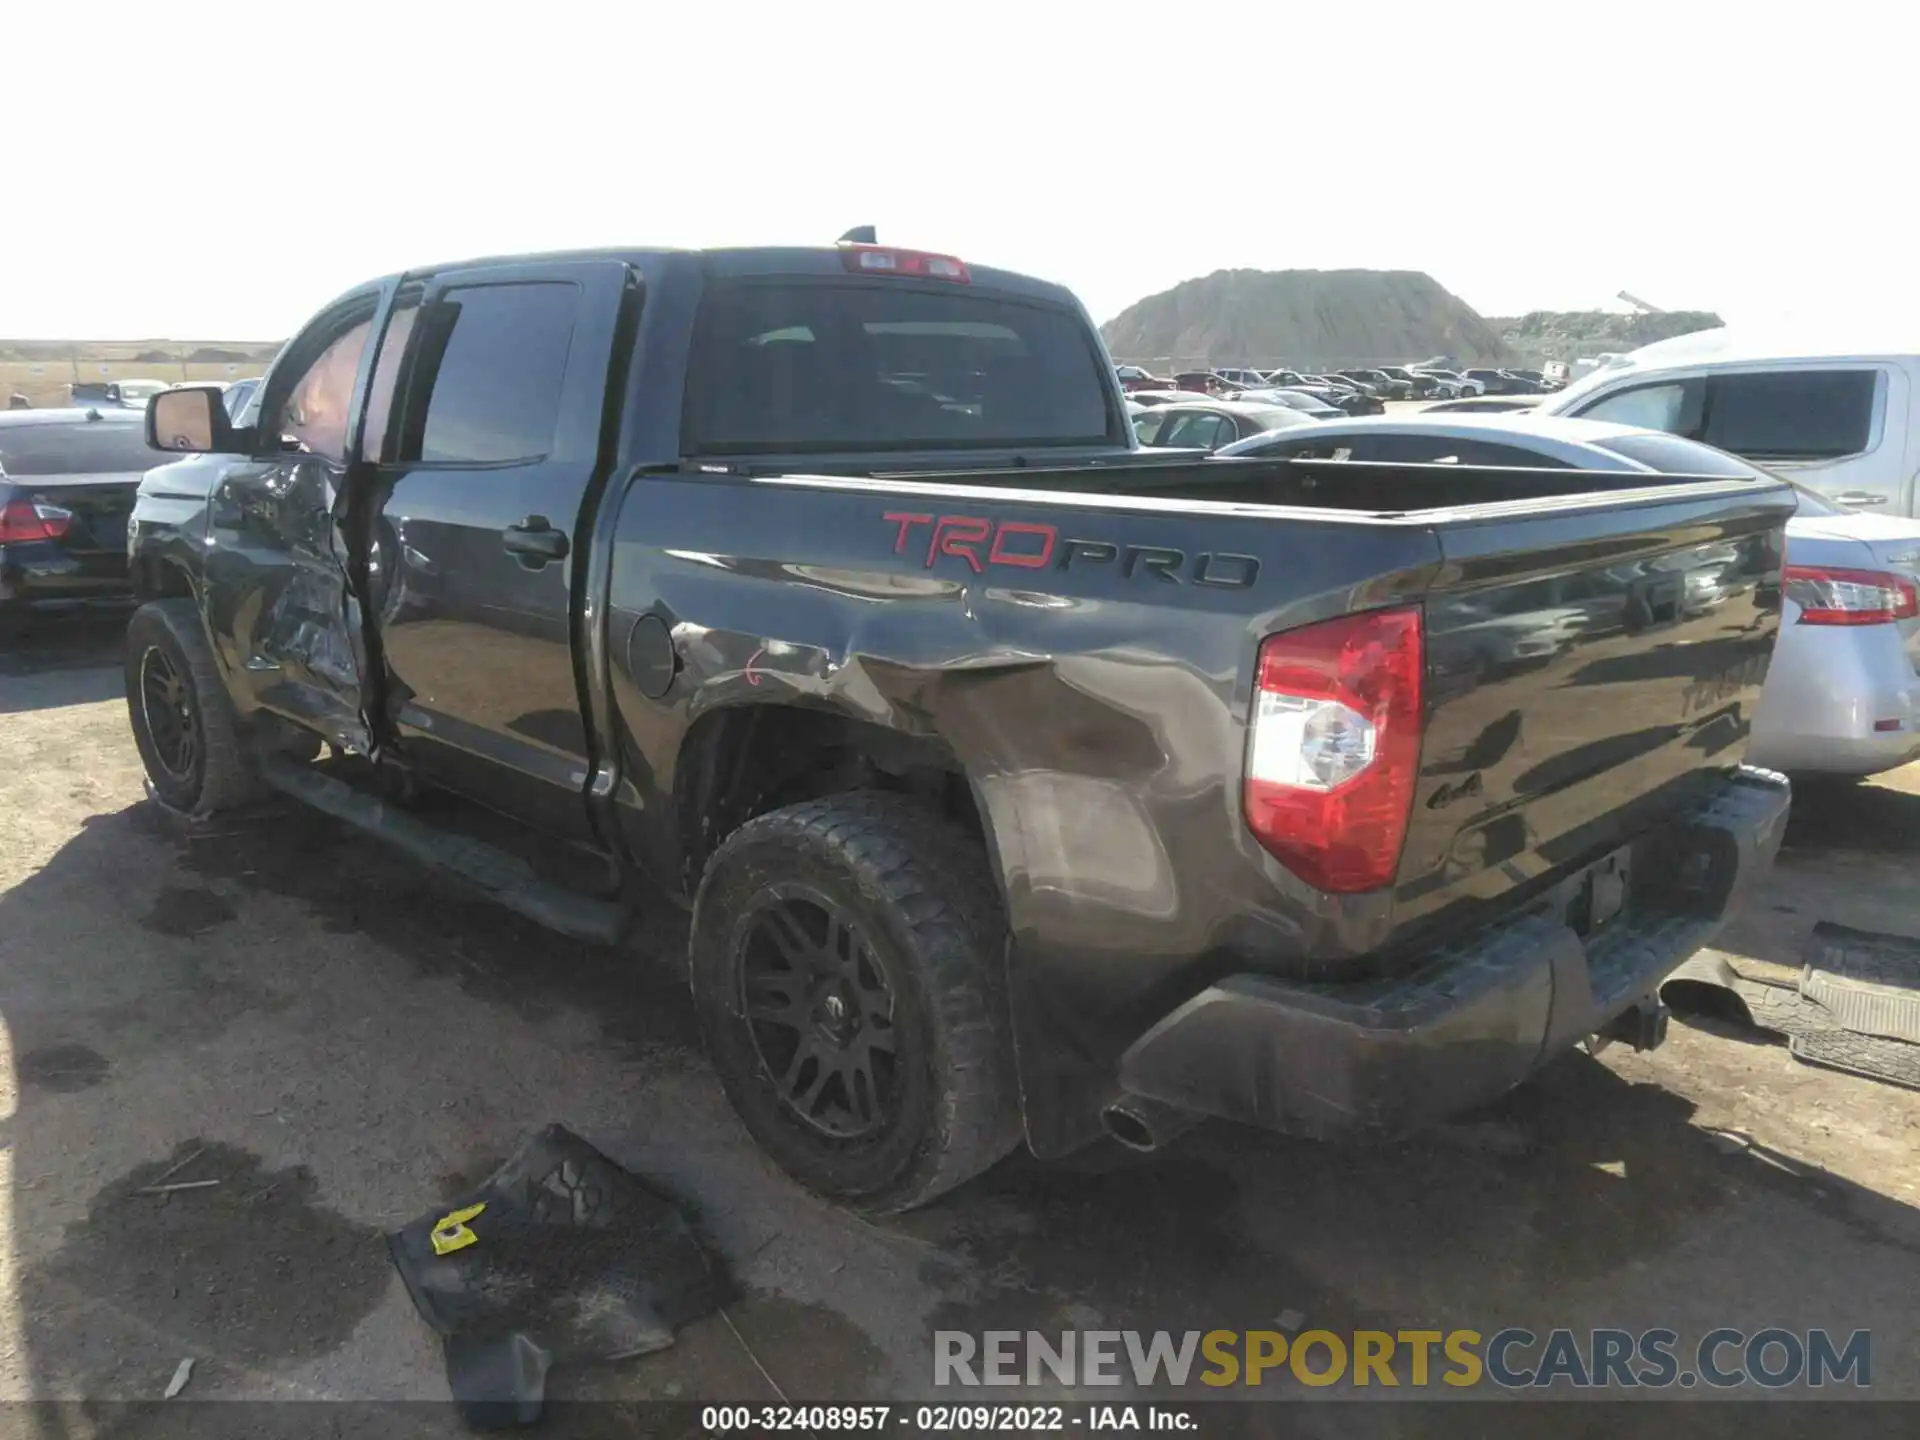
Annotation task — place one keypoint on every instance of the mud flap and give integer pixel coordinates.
(561, 1256)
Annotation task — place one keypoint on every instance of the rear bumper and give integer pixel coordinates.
(1474, 1019)
(44, 575)
(1828, 690)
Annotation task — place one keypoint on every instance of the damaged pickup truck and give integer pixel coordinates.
(1021, 783)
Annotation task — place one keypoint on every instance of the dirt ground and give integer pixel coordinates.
(343, 1041)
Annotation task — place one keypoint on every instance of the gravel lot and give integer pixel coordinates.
(349, 1041)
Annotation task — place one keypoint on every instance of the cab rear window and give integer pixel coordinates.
(794, 367)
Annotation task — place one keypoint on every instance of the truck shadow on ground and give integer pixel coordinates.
(1582, 1199)
(1840, 816)
(73, 662)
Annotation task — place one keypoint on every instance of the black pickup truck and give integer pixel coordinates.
(1020, 782)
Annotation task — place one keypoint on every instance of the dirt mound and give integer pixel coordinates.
(1317, 318)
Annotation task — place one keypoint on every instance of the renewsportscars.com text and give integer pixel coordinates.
(1514, 1358)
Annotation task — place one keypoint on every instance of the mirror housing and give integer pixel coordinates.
(191, 420)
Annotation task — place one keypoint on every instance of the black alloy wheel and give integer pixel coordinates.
(819, 1005)
(172, 721)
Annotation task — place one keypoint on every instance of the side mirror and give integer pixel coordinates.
(190, 420)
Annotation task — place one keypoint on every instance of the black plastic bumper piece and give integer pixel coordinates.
(1473, 1019)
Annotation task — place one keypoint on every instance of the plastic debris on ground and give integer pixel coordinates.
(561, 1257)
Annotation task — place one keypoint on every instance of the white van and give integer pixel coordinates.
(1837, 418)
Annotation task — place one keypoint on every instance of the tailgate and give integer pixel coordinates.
(1591, 668)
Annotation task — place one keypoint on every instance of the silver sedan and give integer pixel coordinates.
(1843, 694)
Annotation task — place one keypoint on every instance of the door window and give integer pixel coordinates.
(314, 415)
(1673, 407)
(1792, 414)
(486, 386)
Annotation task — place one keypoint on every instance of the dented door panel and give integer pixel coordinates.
(281, 599)
(279, 605)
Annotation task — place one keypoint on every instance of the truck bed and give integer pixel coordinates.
(1083, 639)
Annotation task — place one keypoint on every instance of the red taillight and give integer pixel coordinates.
(1334, 747)
(885, 260)
(24, 520)
(1828, 596)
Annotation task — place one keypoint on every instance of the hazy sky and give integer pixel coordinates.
(168, 175)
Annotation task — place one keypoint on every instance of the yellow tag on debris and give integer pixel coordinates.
(452, 1234)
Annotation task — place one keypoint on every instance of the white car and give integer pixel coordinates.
(1450, 384)
(1843, 694)
(1839, 415)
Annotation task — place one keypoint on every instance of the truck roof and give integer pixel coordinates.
(656, 262)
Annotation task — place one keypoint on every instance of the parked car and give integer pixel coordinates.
(1481, 404)
(1132, 377)
(67, 482)
(1150, 398)
(1842, 696)
(1499, 382)
(1420, 385)
(1452, 380)
(1305, 401)
(1212, 424)
(1200, 382)
(936, 702)
(130, 393)
(1366, 387)
(1382, 384)
(1842, 418)
(1536, 378)
(1241, 379)
(1350, 397)
(236, 393)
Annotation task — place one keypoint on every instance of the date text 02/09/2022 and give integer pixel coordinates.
(944, 1418)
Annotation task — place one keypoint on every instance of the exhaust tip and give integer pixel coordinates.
(1129, 1129)
(1145, 1125)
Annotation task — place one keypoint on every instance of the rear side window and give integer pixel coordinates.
(1792, 414)
(796, 367)
(1671, 455)
(492, 360)
(1449, 450)
(96, 447)
(1197, 432)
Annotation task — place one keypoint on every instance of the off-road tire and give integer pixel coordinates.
(919, 890)
(221, 775)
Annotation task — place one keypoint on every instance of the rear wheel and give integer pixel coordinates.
(846, 971)
(183, 722)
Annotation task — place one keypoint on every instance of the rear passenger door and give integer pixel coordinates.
(1840, 429)
(1829, 428)
(489, 458)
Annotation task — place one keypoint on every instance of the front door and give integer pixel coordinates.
(489, 460)
(283, 614)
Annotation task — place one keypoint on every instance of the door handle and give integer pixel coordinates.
(1860, 497)
(535, 541)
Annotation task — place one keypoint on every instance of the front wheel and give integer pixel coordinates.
(183, 722)
(846, 968)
